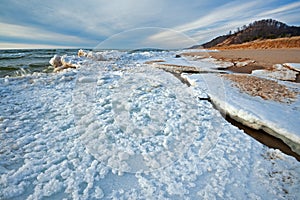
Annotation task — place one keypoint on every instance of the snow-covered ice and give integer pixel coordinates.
(294, 66)
(277, 118)
(120, 129)
(280, 72)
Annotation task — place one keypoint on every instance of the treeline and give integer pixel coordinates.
(263, 29)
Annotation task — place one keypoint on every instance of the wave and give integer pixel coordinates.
(18, 62)
(147, 50)
(12, 56)
(8, 68)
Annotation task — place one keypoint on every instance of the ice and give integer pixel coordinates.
(121, 129)
(203, 65)
(287, 75)
(293, 66)
(252, 111)
(138, 105)
(65, 62)
(280, 72)
(97, 56)
(55, 61)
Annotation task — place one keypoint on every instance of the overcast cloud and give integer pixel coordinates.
(166, 23)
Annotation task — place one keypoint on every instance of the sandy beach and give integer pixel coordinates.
(256, 58)
(263, 57)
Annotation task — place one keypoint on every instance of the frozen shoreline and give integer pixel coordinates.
(277, 119)
(122, 129)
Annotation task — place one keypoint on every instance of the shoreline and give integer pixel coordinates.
(84, 133)
(264, 58)
(244, 61)
(264, 138)
(248, 60)
(254, 112)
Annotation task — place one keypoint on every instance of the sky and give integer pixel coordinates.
(131, 23)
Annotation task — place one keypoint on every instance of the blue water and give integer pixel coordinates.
(18, 62)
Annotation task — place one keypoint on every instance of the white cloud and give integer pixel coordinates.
(8, 45)
(170, 38)
(90, 22)
(35, 34)
(102, 18)
(231, 16)
(227, 11)
(141, 38)
(167, 37)
(281, 9)
(207, 34)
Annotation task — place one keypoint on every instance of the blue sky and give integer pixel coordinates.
(131, 23)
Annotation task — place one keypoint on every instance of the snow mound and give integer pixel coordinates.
(293, 66)
(279, 72)
(64, 62)
(255, 111)
(139, 120)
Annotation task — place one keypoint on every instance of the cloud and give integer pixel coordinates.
(89, 22)
(230, 16)
(9, 45)
(141, 38)
(169, 39)
(224, 12)
(19, 32)
(218, 19)
(287, 13)
(282, 9)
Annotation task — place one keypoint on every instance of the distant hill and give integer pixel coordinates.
(278, 43)
(258, 30)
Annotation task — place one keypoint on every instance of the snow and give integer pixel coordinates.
(294, 66)
(276, 118)
(120, 129)
(216, 63)
(280, 72)
(203, 65)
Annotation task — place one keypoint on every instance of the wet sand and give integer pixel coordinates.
(264, 58)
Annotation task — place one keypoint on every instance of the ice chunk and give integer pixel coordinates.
(96, 56)
(99, 193)
(87, 79)
(279, 72)
(64, 62)
(55, 61)
(293, 66)
(81, 53)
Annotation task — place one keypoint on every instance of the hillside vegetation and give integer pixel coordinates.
(279, 43)
(257, 31)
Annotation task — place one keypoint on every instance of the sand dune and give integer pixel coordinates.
(292, 42)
